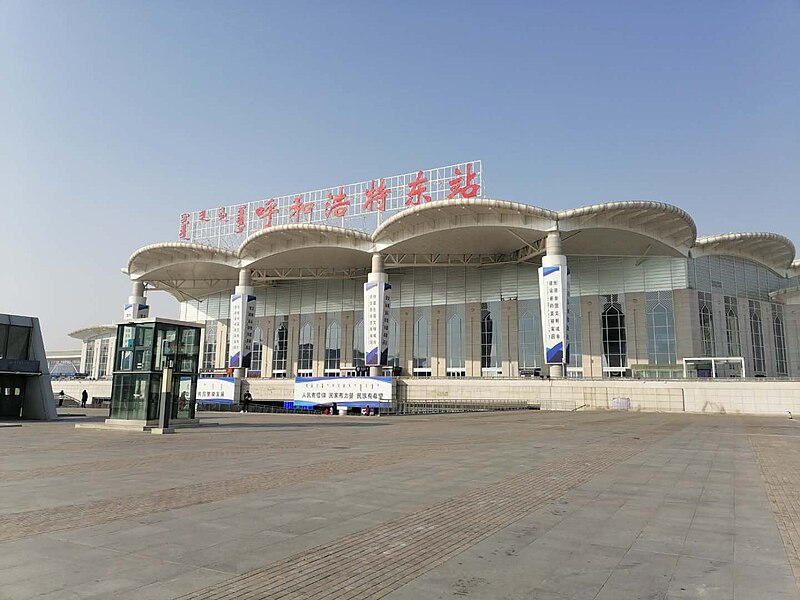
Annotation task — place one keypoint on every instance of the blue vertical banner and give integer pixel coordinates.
(554, 298)
(243, 312)
(377, 297)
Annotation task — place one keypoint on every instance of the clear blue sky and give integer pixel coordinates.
(115, 117)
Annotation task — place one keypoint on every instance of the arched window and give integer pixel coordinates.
(210, 345)
(422, 354)
(660, 328)
(455, 345)
(332, 349)
(280, 350)
(394, 343)
(358, 344)
(529, 346)
(706, 324)
(305, 351)
(258, 349)
(757, 339)
(615, 346)
(488, 342)
(732, 326)
(781, 364)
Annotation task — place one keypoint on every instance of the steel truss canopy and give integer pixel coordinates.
(472, 232)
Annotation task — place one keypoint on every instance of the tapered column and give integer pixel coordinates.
(554, 294)
(376, 317)
(136, 307)
(240, 331)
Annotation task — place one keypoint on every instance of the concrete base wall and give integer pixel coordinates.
(718, 397)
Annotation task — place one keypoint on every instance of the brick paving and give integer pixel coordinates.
(778, 455)
(407, 547)
(553, 506)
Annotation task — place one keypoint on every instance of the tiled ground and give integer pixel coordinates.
(495, 505)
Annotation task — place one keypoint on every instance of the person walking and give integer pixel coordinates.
(61, 398)
(84, 398)
(246, 401)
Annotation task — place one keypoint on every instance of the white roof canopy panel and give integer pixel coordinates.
(769, 249)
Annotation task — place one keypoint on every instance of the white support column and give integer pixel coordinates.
(376, 315)
(240, 330)
(553, 297)
(136, 307)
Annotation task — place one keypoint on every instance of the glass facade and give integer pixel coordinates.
(466, 337)
(757, 338)
(705, 308)
(102, 369)
(732, 326)
(779, 333)
(258, 349)
(660, 328)
(89, 365)
(144, 350)
(615, 336)
(210, 346)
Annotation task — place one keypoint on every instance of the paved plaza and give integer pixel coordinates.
(510, 505)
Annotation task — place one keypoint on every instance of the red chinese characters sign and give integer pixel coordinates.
(361, 206)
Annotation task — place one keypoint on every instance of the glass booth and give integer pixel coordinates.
(145, 348)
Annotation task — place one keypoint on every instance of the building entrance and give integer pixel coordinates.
(12, 392)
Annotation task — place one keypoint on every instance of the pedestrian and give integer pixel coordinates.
(61, 398)
(84, 398)
(334, 409)
(246, 401)
(366, 411)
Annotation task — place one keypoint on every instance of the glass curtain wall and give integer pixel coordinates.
(660, 328)
(89, 367)
(615, 339)
(779, 333)
(529, 338)
(757, 338)
(305, 350)
(102, 368)
(280, 349)
(732, 326)
(333, 349)
(491, 359)
(422, 347)
(358, 343)
(257, 352)
(706, 315)
(456, 358)
(210, 346)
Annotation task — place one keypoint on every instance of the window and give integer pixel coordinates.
(394, 339)
(491, 362)
(102, 369)
(529, 338)
(781, 364)
(358, 344)
(305, 351)
(257, 352)
(421, 353)
(615, 348)
(706, 324)
(280, 350)
(732, 326)
(89, 365)
(210, 346)
(17, 342)
(574, 334)
(757, 338)
(332, 349)
(455, 345)
(660, 328)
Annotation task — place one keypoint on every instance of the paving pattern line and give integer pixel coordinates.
(778, 460)
(34, 522)
(402, 549)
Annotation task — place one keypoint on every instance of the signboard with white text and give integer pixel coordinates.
(243, 312)
(376, 322)
(136, 311)
(216, 390)
(344, 391)
(554, 296)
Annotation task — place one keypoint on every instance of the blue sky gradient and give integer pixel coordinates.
(116, 117)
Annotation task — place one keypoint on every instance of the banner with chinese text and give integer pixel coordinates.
(243, 312)
(362, 206)
(344, 391)
(377, 297)
(554, 296)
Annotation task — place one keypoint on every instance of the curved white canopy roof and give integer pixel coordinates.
(498, 230)
(87, 333)
(769, 249)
